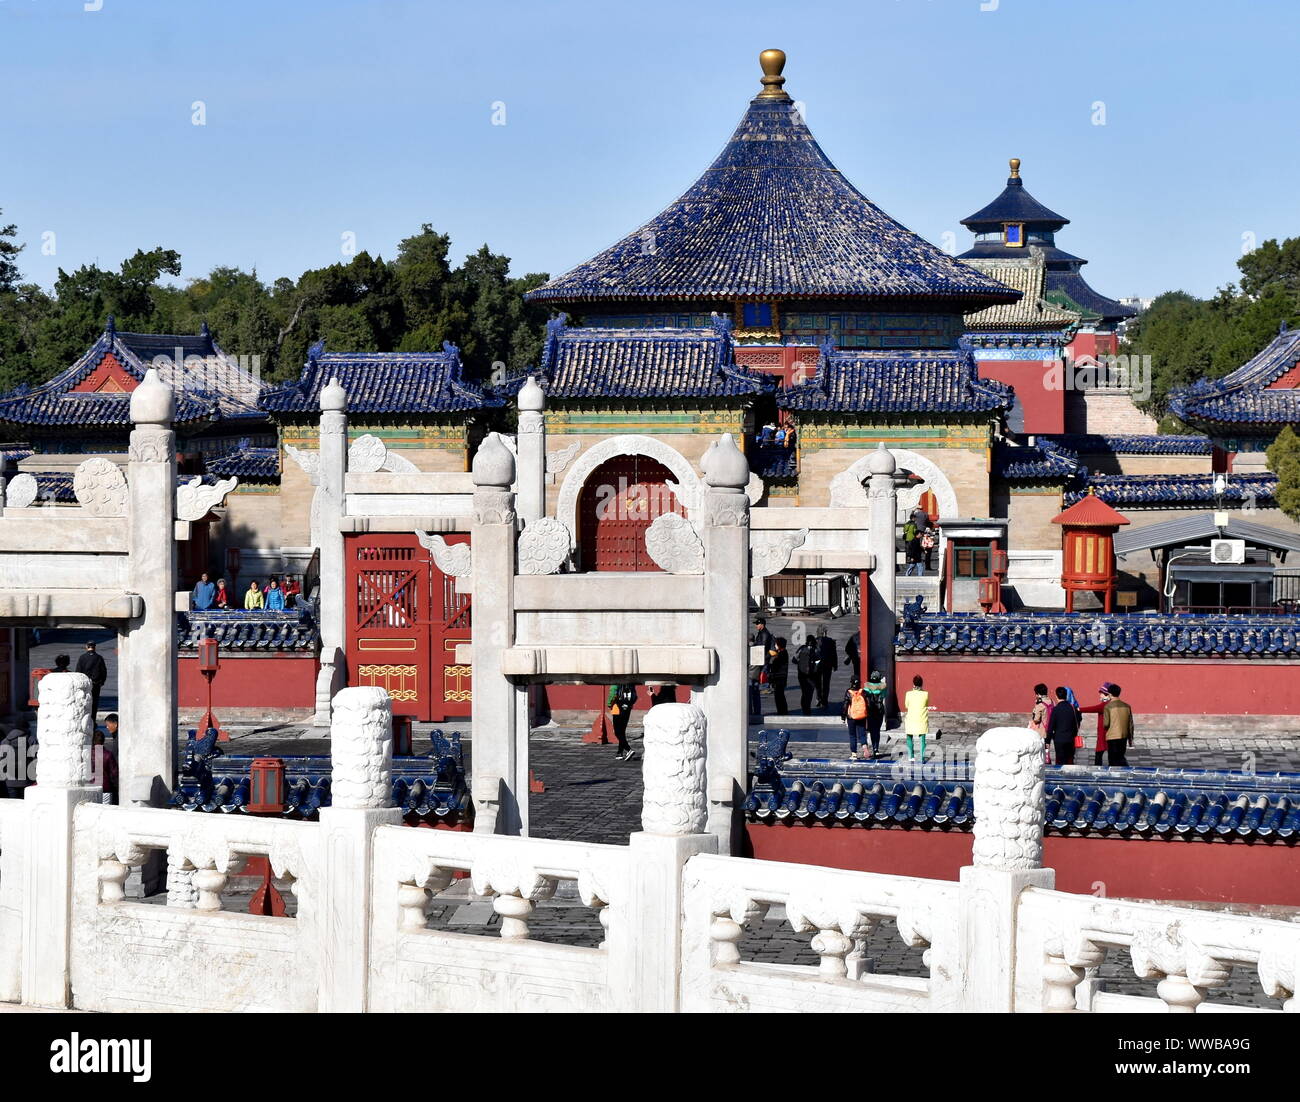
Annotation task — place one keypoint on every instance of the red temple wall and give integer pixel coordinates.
(1139, 868)
(1205, 686)
(260, 681)
(1042, 398)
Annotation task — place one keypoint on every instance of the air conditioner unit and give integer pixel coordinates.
(1227, 551)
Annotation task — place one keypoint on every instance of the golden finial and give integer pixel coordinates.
(773, 61)
(1015, 168)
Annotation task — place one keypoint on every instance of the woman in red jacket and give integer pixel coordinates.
(1098, 708)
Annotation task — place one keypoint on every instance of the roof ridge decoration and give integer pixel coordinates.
(773, 217)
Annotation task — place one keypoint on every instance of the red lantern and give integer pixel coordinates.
(266, 786)
(209, 656)
(37, 674)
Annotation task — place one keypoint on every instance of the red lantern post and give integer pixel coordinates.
(209, 664)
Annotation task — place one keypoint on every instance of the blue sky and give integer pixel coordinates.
(333, 117)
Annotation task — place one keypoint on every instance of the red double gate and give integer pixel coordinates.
(405, 619)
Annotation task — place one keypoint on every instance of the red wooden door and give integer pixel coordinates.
(404, 621)
(620, 499)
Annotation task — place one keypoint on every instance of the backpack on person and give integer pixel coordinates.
(909, 531)
(804, 660)
(857, 704)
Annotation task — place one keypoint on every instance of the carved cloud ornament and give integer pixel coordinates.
(100, 488)
(21, 491)
(674, 545)
(558, 461)
(194, 500)
(453, 559)
(543, 546)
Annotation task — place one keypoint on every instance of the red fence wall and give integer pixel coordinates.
(1199, 686)
(258, 681)
(1041, 397)
(1140, 868)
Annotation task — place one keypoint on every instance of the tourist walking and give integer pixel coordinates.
(854, 713)
(778, 674)
(805, 665)
(1040, 711)
(912, 549)
(916, 716)
(1117, 717)
(853, 653)
(253, 598)
(1098, 709)
(1062, 727)
(91, 663)
(762, 638)
(204, 594)
(620, 702)
(876, 707)
(929, 541)
(828, 662)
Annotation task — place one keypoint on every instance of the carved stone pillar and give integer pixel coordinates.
(147, 656)
(333, 588)
(499, 796)
(531, 446)
(725, 699)
(1008, 855)
(63, 770)
(882, 591)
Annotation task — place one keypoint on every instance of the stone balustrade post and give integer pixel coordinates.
(531, 448)
(63, 780)
(333, 589)
(1008, 857)
(675, 827)
(725, 698)
(500, 770)
(882, 590)
(147, 652)
(361, 787)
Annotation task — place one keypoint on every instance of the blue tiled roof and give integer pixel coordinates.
(382, 382)
(773, 461)
(1049, 633)
(247, 463)
(1139, 803)
(1154, 444)
(772, 217)
(1044, 459)
(1177, 489)
(430, 788)
(1242, 396)
(1014, 204)
(209, 385)
(249, 630)
(1069, 288)
(15, 453)
(890, 381)
(580, 362)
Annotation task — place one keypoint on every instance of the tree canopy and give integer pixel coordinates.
(363, 304)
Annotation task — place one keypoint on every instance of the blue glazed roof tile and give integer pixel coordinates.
(247, 630)
(1014, 204)
(247, 463)
(891, 381)
(581, 363)
(209, 385)
(1119, 490)
(1043, 460)
(382, 383)
(1153, 444)
(773, 217)
(1243, 396)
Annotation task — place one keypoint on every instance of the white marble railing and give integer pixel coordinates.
(191, 953)
(1186, 953)
(725, 896)
(416, 968)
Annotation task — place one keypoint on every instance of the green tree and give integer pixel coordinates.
(1284, 461)
(9, 250)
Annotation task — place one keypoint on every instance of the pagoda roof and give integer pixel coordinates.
(897, 381)
(1069, 289)
(1015, 204)
(1090, 512)
(773, 217)
(580, 362)
(209, 385)
(1254, 393)
(1032, 311)
(247, 463)
(382, 383)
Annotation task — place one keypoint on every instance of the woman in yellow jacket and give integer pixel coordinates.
(916, 716)
(253, 598)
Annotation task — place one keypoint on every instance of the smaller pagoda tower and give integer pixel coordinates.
(1088, 549)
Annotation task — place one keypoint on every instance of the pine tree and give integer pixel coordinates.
(1284, 461)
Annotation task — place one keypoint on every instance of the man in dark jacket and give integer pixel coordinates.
(92, 665)
(805, 664)
(1062, 728)
(828, 663)
(778, 673)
